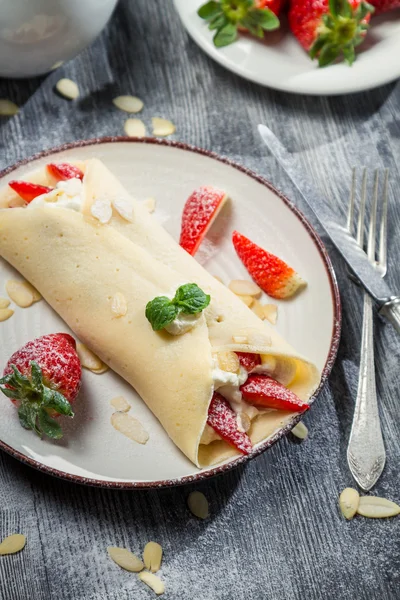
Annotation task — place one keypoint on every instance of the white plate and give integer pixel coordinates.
(279, 61)
(92, 451)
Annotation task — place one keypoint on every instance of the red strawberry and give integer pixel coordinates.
(329, 29)
(274, 5)
(64, 171)
(43, 378)
(271, 273)
(382, 6)
(249, 361)
(199, 212)
(28, 191)
(261, 390)
(223, 420)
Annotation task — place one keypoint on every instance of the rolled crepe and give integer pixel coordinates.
(78, 265)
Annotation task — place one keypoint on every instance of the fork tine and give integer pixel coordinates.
(350, 213)
(372, 220)
(383, 228)
(361, 214)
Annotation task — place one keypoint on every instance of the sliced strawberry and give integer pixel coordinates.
(261, 390)
(271, 273)
(248, 360)
(64, 171)
(28, 191)
(223, 420)
(199, 212)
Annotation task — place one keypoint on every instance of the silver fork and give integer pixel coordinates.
(366, 454)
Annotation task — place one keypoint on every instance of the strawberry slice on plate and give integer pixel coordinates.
(248, 360)
(199, 212)
(223, 420)
(271, 273)
(261, 390)
(28, 191)
(43, 379)
(64, 171)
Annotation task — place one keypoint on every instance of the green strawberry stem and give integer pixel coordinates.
(342, 30)
(226, 16)
(36, 401)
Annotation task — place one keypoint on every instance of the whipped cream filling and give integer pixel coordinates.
(183, 323)
(66, 194)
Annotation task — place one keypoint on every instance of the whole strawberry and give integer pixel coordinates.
(43, 379)
(330, 29)
(382, 6)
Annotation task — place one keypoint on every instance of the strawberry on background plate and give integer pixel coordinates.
(64, 171)
(263, 391)
(224, 421)
(330, 29)
(43, 379)
(382, 6)
(28, 191)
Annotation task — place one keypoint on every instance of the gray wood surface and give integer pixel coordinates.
(274, 531)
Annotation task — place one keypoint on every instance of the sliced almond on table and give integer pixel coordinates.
(20, 293)
(153, 582)
(150, 204)
(102, 211)
(130, 427)
(125, 559)
(12, 544)
(5, 314)
(198, 505)
(131, 104)
(349, 500)
(270, 313)
(242, 287)
(300, 431)
(247, 300)
(124, 208)
(135, 128)
(152, 556)
(88, 359)
(67, 88)
(8, 108)
(4, 303)
(258, 309)
(228, 361)
(57, 65)
(377, 508)
(119, 306)
(120, 404)
(162, 127)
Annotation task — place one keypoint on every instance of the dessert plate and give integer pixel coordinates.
(92, 451)
(279, 61)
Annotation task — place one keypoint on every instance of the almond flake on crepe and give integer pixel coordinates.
(102, 211)
(242, 287)
(152, 556)
(12, 544)
(119, 306)
(124, 208)
(5, 314)
(130, 427)
(240, 339)
(135, 128)
(153, 582)
(258, 339)
(270, 313)
(300, 431)
(162, 127)
(150, 204)
(198, 505)
(374, 507)
(4, 303)
(244, 422)
(20, 293)
(247, 300)
(120, 404)
(228, 361)
(67, 88)
(125, 559)
(349, 500)
(130, 104)
(258, 309)
(8, 108)
(88, 359)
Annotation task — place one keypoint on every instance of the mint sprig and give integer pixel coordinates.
(189, 299)
(226, 16)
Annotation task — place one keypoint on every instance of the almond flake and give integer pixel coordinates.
(349, 500)
(102, 211)
(67, 88)
(19, 293)
(120, 404)
(150, 204)
(119, 306)
(153, 582)
(135, 128)
(130, 104)
(258, 309)
(124, 208)
(218, 278)
(247, 300)
(4, 303)
(228, 361)
(377, 508)
(130, 427)
(57, 65)
(244, 422)
(162, 127)
(300, 431)
(102, 370)
(198, 505)
(270, 313)
(12, 544)
(125, 559)
(88, 359)
(242, 287)
(8, 108)
(152, 556)
(240, 339)
(5, 313)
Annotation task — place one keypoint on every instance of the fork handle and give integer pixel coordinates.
(391, 310)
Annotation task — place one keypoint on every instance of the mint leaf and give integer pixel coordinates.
(191, 299)
(49, 426)
(209, 10)
(56, 401)
(160, 312)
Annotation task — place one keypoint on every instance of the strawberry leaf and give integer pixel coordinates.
(209, 10)
(37, 377)
(225, 36)
(58, 402)
(265, 18)
(349, 54)
(27, 414)
(328, 55)
(218, 22)
(49, 426)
